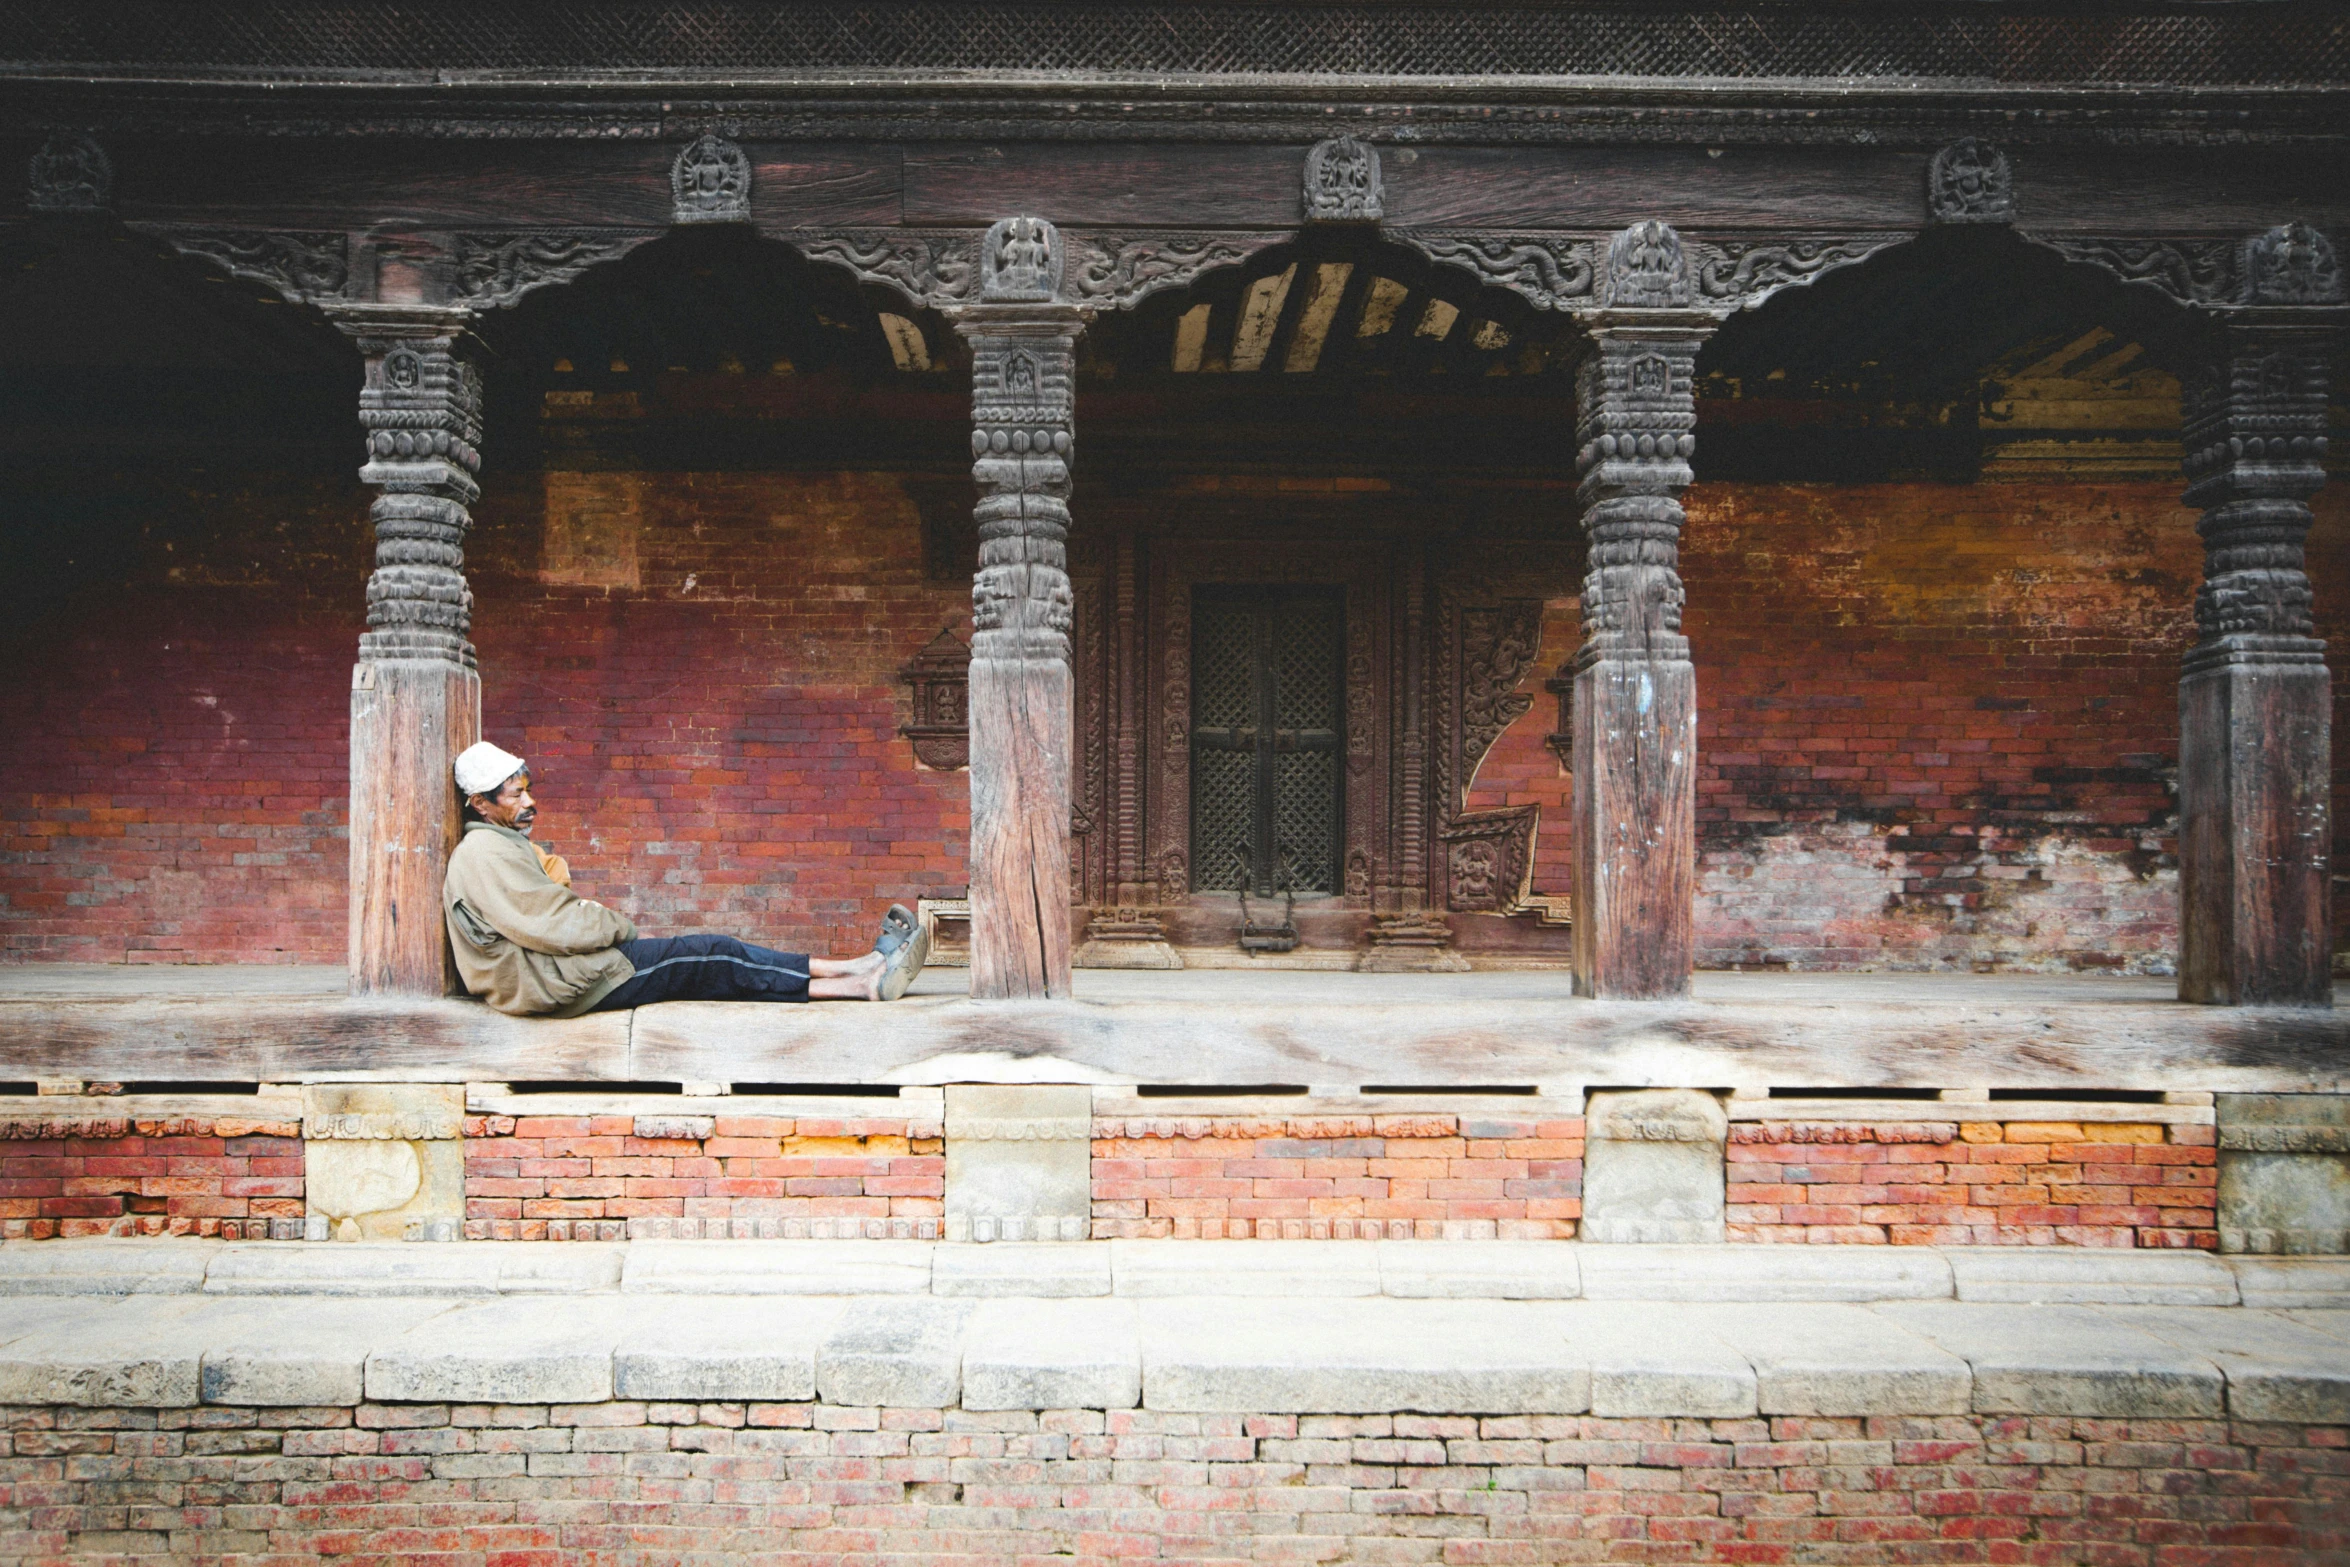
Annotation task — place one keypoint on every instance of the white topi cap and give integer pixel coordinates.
(482, 768)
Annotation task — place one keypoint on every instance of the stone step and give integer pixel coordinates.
(1402, 1270)
(1255, 1355)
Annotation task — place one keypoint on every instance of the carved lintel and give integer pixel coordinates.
(70, 173)
(420, 409)
(710, 182)
(1969, 182)
(497, 269)
(929, 269)
(1548, 271)
(306, 268)
(1342, 182)
(940, 679)
(1122, 270)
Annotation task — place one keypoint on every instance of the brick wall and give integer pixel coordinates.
(614, 1177)
(809, 1483)
(1937, 723)
(1337, 1177)
(1974, 1183)
(176, 1175)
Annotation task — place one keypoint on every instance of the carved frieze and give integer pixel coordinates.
(302, 267)
(1744, 273)
(1549, 272)
(498, 269)
(1489, 860)
(1020, 262)
(1969, 182)
(70, 173)
(710, 182)
(2190, 271)
(939, 677)
(1342, 183)
(929, 269)
(1124, 269)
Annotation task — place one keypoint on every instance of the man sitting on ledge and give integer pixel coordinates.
(527, 944)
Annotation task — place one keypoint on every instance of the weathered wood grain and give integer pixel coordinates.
(409, 719)
(1108, 183)
(1020, 727)
(2255, 775)
(1635, 805)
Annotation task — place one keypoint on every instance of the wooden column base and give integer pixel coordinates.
(1020, 721)
(409, 719)
(2255, 778)
(1635, 727)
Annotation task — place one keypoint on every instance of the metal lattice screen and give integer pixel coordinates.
(1267, 735)
(2284, 42)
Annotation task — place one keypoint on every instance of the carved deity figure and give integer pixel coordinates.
(710, 183)
(71, 173)
(1646, 268)
(2291, 265)
(1020, 260)
(1342, 182)
(1968, 182)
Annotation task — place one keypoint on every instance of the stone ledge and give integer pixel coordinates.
(1202, 1355)
(1489, 1270)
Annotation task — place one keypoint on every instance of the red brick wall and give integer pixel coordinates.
(1974, 1183)
(1337, 1177)
(1936, 723)
(819, 1483)
(180, 1175)
(610, 1177)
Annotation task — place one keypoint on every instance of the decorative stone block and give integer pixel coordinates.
(1653, 1165)
(2284, 1172)
(1019, 1163)
(384, 1161)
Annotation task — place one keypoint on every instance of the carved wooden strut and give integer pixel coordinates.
(1023, 351)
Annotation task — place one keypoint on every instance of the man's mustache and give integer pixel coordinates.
(529, 813)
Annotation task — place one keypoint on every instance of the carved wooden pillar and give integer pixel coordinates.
(2255, 698)
(415, 696)
(1635, 696)
(1023, 350)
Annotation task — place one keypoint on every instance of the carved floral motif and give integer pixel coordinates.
(498, 269)
(1498, 645)
(2191, 271)
(928, 269)
(298, 266)
(1745, 273)
(1548, 272)
(1124, 270)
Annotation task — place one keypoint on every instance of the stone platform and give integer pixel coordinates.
(1205, 1403)
(1513, 1031)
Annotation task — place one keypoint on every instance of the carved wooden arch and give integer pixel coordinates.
(1565, 271)
(2289, 264)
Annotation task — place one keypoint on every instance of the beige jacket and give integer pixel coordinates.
(526, 943)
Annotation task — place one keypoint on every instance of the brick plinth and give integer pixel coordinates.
(801, 1483)
(1984, 1183)
(1337, 1177)
(175, 1175)
(605, 1176)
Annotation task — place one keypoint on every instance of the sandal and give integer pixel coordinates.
(905, 944)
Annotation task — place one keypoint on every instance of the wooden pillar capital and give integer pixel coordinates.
(415, 696)
(1635, 697)
(2255, 697)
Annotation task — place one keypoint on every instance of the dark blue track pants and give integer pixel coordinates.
(707, 968)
